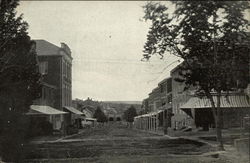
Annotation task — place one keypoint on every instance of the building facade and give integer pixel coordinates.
(157, 108)
(145, 106)
(55, 65)
(179, 97)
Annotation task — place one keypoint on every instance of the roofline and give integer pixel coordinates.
(178, 66)
(164, 80)
(59, 48)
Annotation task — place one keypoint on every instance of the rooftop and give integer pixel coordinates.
(45, 48)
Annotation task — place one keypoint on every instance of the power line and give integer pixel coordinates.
(163, 71)
(103, 61)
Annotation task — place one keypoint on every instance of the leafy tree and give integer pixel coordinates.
(19, 80)
(211, 38)
(99, 115)
(129, 114)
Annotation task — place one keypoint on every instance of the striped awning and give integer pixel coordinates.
(231, 101)
(43, 110)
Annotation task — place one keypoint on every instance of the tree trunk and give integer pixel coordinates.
(219, 123)
(217, 118)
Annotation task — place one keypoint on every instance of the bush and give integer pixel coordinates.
(12, 139)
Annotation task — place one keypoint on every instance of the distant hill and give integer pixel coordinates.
(118, 106)
(125, 102)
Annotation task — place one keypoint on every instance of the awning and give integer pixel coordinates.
(90, 119)
(73, 110)
(231, 101)
(43, 110)
(149, 114)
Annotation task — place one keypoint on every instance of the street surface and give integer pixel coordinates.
(115, 143)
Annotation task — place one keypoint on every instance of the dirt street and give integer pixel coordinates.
(116, 143)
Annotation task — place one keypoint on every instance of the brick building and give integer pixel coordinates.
(55, 65)
(145, 106)
(198, 111)
(157, 108)
(179, 98)
(165, 87)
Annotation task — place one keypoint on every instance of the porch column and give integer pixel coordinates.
(155, 122)
(141, 123)
(136, 123)
(151, 123)
(147, 123)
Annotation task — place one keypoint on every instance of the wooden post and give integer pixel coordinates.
(153, 122)
(157, 121)
(150, 123)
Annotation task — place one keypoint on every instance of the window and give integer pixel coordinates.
(43, 68)
(169, 85)
(162, 88)
(66, 71)
(169, 98)
(64, 68)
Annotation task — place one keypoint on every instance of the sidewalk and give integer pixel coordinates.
(195, 133)
(209, 137)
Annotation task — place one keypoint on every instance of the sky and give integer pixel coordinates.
(106, 40)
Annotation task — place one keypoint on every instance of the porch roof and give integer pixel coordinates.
(73, 110)
(149, 114)
(230, 101)
(44, 110)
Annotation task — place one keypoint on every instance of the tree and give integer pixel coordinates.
(211, 38)
(19, 80)
(129, 114)
(99, 115)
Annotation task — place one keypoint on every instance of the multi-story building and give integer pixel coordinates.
(179, 98)
(145, 106)
(166, 92)
(55, 65)
(154, 100)
(198, 111)
(157, 108)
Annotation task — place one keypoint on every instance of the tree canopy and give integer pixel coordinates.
(210, 36)
(130, 113)
(212, 39)
(19, 80)
(19, 74)
(99, 115)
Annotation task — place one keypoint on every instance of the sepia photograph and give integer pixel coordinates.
(124, 81)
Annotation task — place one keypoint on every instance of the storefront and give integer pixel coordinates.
(73, 117)
(42, 116)
(234, 107)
